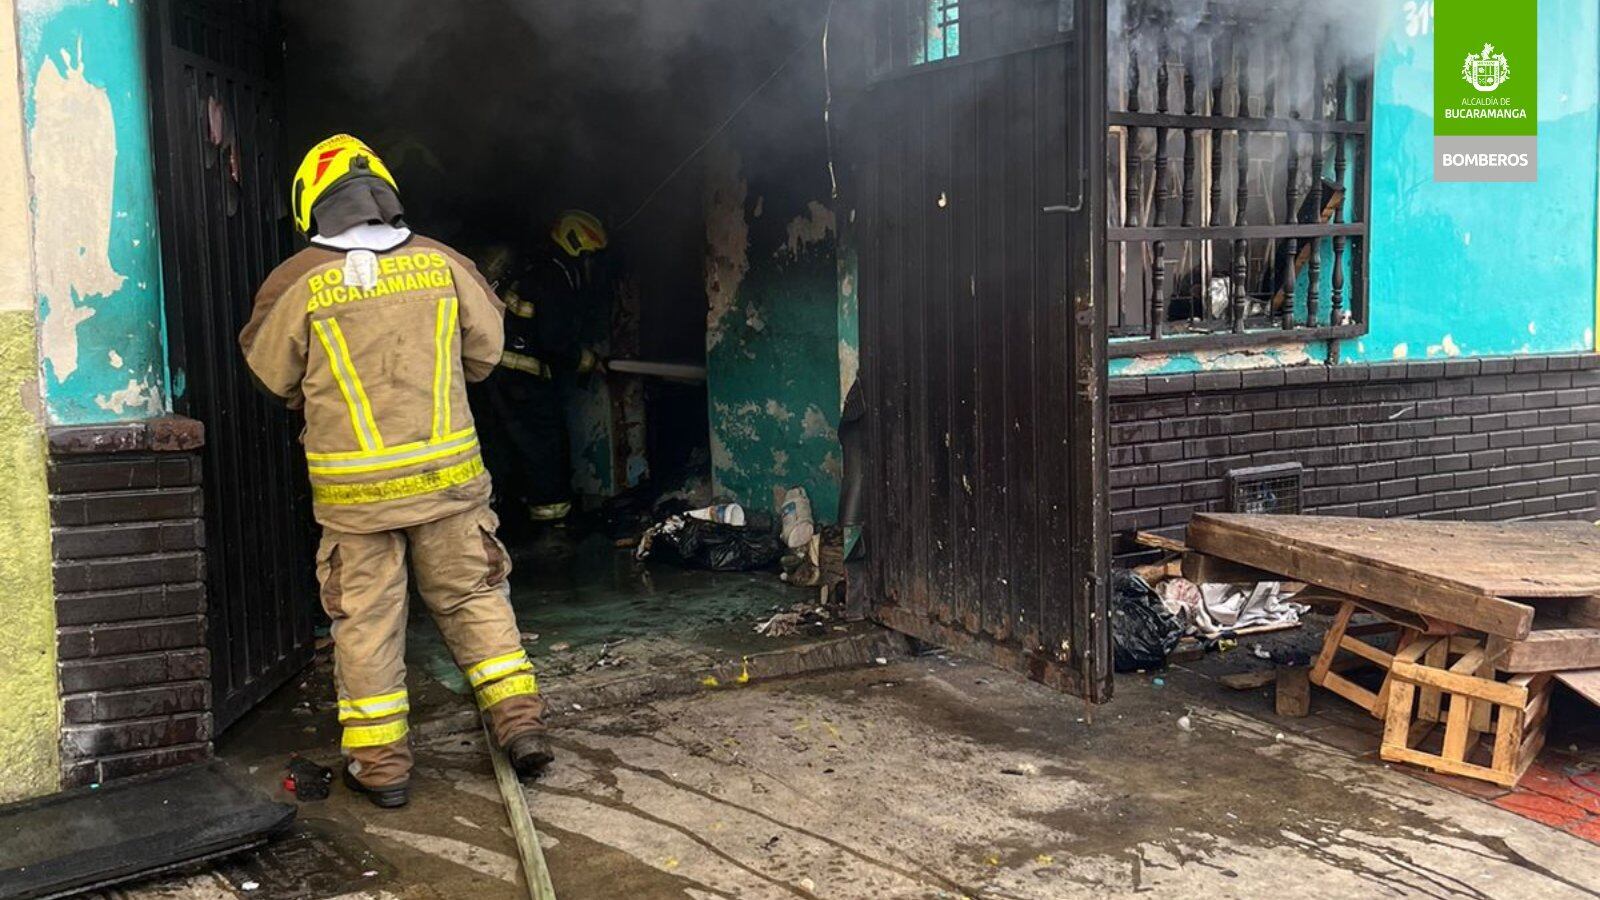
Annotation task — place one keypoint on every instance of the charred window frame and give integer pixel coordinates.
(1219, 125)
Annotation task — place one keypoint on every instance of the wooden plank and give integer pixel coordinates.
(1330, 642)
(1160, 542)
(1553, 650)
(1508, 738)
(1329, 564)
(1351, 691)
(1201, 568)
(1586, 683)
(1397, 719)
(1364, 649)
(1455, 683)
(1292, 697)
(1428, 704)
(1505, 559)
(1458, 721)
(1449, 766)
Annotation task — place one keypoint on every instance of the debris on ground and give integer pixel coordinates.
(700, 544)
(605, 659)
(1213, 610)
(307, 780)
(795, 512)
(1141, 628)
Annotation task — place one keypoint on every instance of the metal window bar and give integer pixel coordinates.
(1243, 193)
(934, 30)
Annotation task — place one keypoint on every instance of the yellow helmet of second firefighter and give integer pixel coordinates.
(578, 232)
(327, 165)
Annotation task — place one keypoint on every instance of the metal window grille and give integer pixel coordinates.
(935, 29)
(1274, 490)
(1238, 177)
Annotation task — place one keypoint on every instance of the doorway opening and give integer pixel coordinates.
(693, 133)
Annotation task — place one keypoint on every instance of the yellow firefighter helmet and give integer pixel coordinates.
(330, 163)
(578, 233)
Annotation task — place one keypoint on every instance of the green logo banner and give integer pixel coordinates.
(1485, 90)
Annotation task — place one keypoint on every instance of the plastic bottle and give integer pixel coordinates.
(726, 513)
(798, 527)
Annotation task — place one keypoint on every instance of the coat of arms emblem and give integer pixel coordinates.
(1486, 70)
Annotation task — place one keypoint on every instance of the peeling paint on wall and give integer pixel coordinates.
(772, 340)
(814, 226)
(1288, 353)
(136, 396)
(73, 144)
(95, 248)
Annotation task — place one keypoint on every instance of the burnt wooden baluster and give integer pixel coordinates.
(1158, 271)
(1130, 208)
(1290, 276)
(1241, 261)
(1217, 77)
(1188, 137)
(1340, 168)
(1319, 192)
(1188, 216)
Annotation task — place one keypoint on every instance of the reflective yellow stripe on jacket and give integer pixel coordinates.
(398, 488)
(444, 333)
(360, 461)
(452, 455)
(344, 372)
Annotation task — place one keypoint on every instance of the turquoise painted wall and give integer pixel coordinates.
(772, 336)
(87, 118)
(1468, 269)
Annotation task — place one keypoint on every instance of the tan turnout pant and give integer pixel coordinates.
(461, 570)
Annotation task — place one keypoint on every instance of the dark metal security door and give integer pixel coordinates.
(980, 231)
(221, 181)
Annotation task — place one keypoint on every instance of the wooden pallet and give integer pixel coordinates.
(1451, 679)
(1347, 638)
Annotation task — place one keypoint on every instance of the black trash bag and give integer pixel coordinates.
(1142, 629)
(699, 544)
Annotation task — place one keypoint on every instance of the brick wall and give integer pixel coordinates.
(1452, 439)
(128, 538)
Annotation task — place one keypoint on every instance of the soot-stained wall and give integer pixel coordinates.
(772, 329)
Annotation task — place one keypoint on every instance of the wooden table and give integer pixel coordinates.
(1463, 600)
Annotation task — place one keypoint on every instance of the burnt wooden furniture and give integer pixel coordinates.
(1477, 575)
(1460, 601)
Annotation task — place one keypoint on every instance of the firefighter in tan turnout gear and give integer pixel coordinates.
(373, 331)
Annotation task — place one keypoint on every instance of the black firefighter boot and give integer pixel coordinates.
(391, 796)
(530, 753)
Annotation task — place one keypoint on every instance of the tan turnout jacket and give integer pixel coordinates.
(381, 374)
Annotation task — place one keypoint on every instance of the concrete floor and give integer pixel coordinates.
(923, 778)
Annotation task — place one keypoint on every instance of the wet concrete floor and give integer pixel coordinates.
(927, 778)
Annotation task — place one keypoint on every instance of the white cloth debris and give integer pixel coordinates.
(1209, 610)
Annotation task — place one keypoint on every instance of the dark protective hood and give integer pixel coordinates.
(364, 200)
